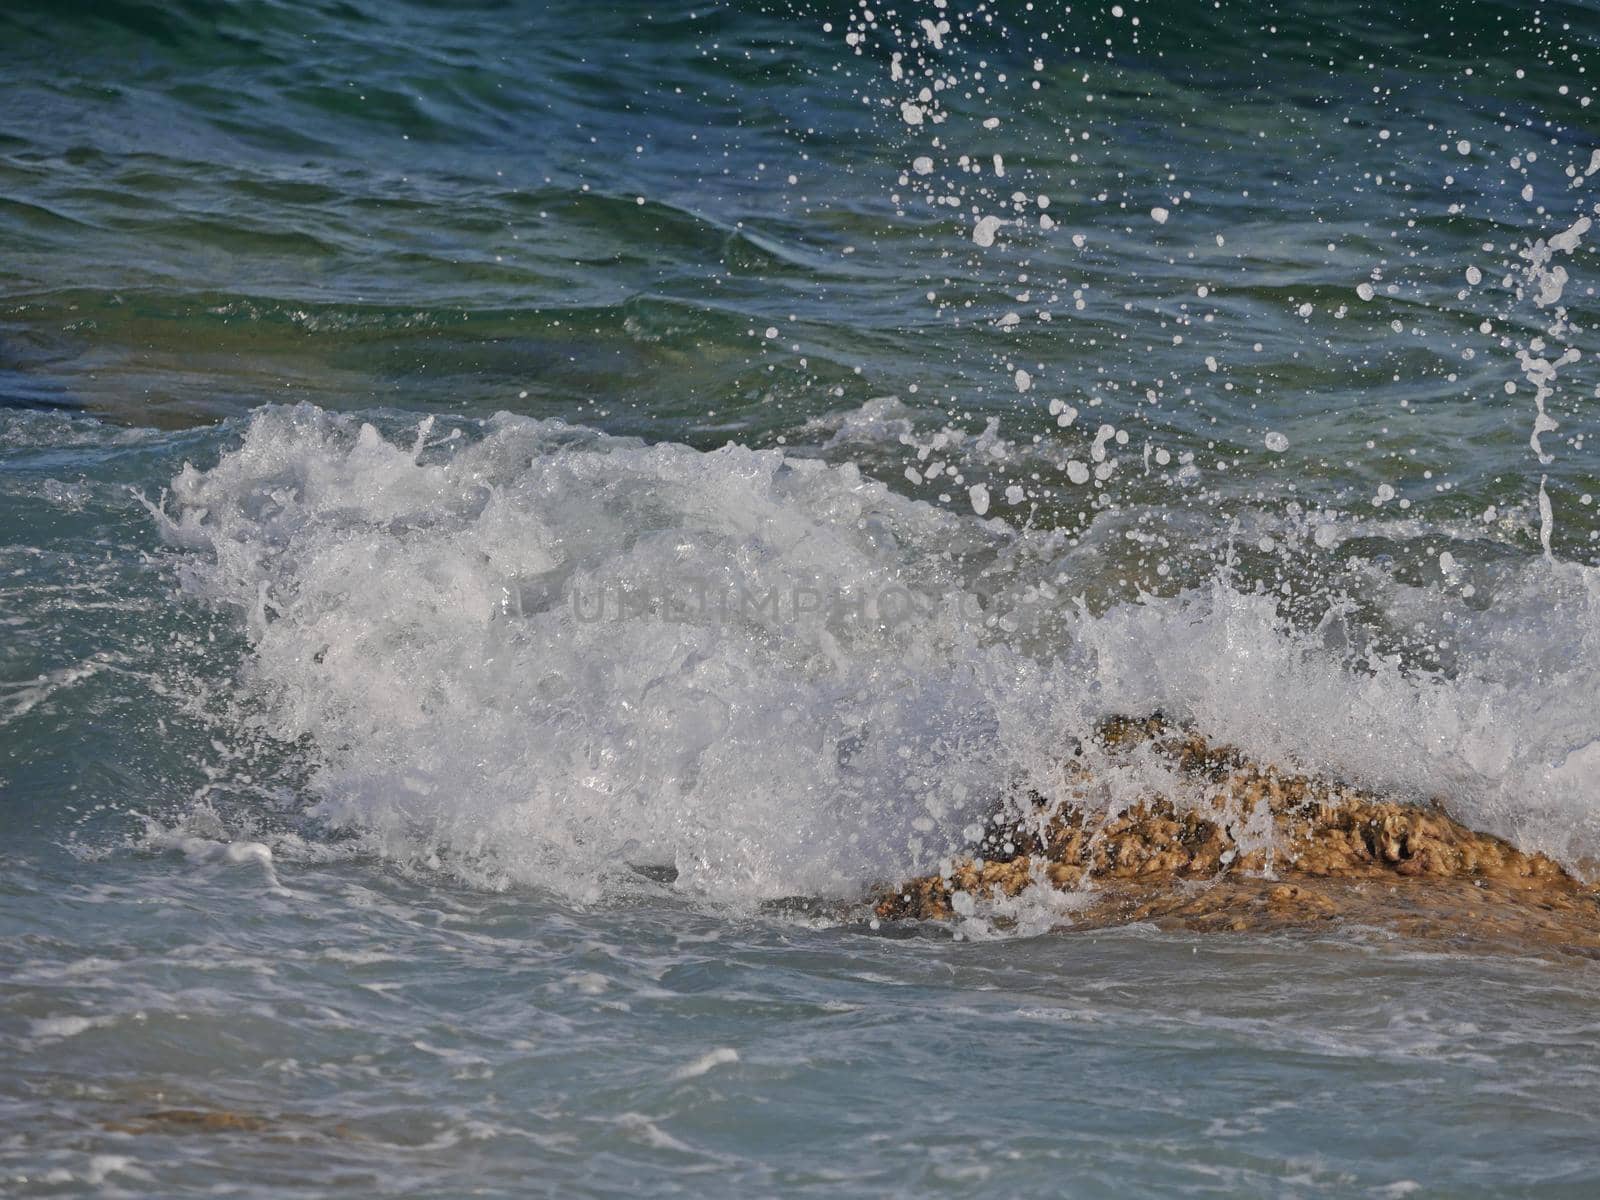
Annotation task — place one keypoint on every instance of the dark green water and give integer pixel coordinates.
(436, 207)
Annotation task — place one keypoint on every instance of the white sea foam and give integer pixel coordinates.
(65, 1027)
(537, 654)
(709, 1061)
(511, 652)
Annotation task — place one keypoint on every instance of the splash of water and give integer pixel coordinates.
(531, 653)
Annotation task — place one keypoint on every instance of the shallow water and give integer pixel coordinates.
(514, 517)
(419, 1038)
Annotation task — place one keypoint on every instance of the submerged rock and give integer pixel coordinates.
(1250, 847)
(221, 1120)
(171, 1120)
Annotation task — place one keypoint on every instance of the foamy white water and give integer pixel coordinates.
(537, 654)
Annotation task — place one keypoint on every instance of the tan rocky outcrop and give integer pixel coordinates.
(1253, 847)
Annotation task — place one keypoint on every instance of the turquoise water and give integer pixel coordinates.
(514, 517)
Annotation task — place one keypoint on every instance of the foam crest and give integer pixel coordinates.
(534, 654)
(542, 654)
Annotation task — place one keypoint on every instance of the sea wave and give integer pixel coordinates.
(532, 653)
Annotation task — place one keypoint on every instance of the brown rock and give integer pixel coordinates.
(222, 1120)
(1336, 852)
(205, 1121)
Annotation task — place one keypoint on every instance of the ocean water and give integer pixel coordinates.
(515, 517)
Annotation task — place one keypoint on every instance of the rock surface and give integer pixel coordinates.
(171, 1121)
(1248, 847)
